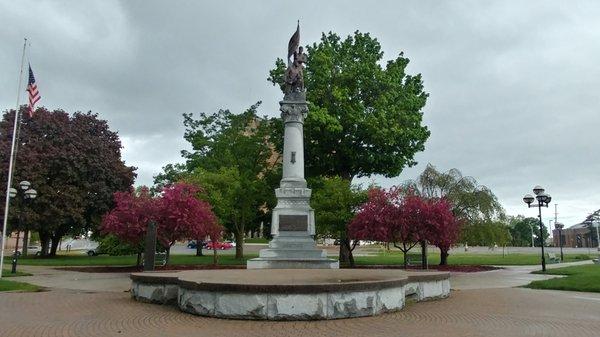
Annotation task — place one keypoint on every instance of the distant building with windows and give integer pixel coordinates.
(579, 235)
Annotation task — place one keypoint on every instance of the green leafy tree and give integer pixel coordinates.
(74, 162)
(234, 162)
(489, 234)
(473, 203)
(365, 118)
(365, 114)
(522, 229)
(336, 201)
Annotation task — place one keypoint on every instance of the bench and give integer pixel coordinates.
(552, 258)
(160, 259)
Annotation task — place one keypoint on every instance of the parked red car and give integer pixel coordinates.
(218, 245)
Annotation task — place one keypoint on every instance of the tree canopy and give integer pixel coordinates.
(365, 114)
(234, 161)
(522, 229)
(73, 161)
(404, 219)
(470, 201)
(177, 212)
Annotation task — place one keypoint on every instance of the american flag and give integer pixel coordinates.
(34, 94)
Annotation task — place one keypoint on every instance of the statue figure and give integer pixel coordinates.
(294, 75)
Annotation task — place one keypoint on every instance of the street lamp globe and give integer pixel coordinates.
(12, 192)
(542, 197)
(25, 185)
(538, 189)
(30, 193)
(528, 199)
(559, 226)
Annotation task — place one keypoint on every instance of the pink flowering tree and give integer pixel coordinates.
(391, 216)
(129, 219)
(182, 215)
(444, 228)
(178, 214)
(404, 219)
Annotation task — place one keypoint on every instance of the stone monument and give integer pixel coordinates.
(293, 221)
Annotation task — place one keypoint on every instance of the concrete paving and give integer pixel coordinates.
(491, 312)
(482, 304)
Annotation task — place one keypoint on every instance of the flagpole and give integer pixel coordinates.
(10, 162)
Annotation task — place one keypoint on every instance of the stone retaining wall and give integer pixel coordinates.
(261, 304)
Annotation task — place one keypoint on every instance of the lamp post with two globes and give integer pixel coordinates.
(28, 194)
(543, 200)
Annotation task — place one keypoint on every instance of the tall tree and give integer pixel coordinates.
(365, 114)
(234, 160)
(336, 201)
(365, 118)
(74, 162)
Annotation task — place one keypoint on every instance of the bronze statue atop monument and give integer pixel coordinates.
(294, 74)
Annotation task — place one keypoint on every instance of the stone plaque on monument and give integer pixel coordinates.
(293, 223)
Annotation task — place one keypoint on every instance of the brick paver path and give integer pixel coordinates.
(484, 312)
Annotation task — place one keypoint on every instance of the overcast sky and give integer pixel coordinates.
(514, 86)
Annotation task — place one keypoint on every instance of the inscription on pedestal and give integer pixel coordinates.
(295, 223)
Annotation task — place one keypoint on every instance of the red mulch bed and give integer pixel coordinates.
(132, 269)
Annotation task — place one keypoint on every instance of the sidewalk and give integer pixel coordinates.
(508, 277)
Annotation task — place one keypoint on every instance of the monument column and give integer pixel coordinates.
(293, 220)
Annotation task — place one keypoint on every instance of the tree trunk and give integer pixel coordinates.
(45, 243)
(443, 257)
(424, 255)
(239, 243)
(345, 256)
(405, 252)
(25, 242)
(199, 247)
(139, 260)
(346, 253)
(168, 254)
(54, 245)
(215, 256)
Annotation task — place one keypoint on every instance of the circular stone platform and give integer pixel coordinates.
(289, 294)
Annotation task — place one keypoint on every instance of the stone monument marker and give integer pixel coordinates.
(293, 221)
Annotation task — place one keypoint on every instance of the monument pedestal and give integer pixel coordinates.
(293, 222)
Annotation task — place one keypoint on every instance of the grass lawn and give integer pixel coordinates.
(464, 259)
(578, 278)
(6, 273)
(6, 285)
(128, 260)
(389, 258)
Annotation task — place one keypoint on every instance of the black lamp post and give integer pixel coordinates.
(28, 194)
(559, 227)
(543, 200)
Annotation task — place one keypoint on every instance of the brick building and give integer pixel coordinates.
(579, 235)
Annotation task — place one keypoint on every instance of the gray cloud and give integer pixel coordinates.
(513, 86)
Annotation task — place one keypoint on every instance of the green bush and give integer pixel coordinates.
(112, 246)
